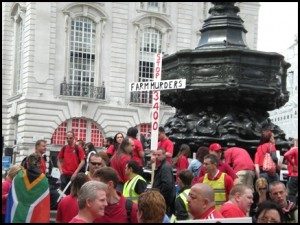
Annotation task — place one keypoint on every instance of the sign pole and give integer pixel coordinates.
(155, 110)
(156, 86)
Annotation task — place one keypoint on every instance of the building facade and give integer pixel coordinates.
(287, 116)
(67, 65)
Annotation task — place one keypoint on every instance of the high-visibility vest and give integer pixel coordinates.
(129, 186)
(183, 195)
(219, 189)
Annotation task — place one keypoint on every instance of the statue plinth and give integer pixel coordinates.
(229, 88)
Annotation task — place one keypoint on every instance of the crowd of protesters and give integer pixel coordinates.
(109, 185)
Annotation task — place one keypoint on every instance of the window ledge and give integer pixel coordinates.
(14, 97)
(152, 12)
(80, 98)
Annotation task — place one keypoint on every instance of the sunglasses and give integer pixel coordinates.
(96, 163)
(262, 188)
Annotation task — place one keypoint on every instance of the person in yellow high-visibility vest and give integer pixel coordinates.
(136, 183)
(185, 178)
(219, 181)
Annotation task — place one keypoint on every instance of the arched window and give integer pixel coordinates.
(84, 26)
(145, 129)
(83, 129)
(153, 33)
(150, 43)
(82, 56)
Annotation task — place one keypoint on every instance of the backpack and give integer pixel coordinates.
(82, 170)
(128, 206)
(269, 165)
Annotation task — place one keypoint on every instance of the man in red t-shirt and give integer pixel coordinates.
(137, 151)
(201, 202)
(240, 201)
(165, 143)
(69, 161)
(242, 165)
(40, 149)
(115, 211)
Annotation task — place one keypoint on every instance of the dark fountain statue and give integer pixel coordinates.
(229, 87)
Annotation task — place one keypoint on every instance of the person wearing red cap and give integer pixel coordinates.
(216, 149)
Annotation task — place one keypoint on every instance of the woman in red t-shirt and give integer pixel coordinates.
(68, 207)
(120, 159)
(181, 160)
(111, 150)
(266, 145)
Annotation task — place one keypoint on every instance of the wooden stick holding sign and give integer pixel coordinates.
(155, 111)
(156, 86)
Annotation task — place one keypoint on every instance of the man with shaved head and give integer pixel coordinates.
(201, 203)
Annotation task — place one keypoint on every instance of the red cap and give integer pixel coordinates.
(215, 147)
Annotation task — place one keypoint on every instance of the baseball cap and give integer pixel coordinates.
(215, 147)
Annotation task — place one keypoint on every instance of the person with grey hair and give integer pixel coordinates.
(278, 194)
(91, 202)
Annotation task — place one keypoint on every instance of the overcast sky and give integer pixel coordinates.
(277, 26)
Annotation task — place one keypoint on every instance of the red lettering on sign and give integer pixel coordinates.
(155, 106)
(155, 125)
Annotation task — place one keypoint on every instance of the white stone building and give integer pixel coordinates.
(67, 65)
(287, 116)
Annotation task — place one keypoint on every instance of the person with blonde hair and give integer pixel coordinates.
(260, 195)
(151, 207)
(6, 184)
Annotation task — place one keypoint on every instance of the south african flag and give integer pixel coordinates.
(27, 201)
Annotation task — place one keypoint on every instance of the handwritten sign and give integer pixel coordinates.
(157, 85)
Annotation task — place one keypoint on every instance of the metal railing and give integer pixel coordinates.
(82, 90)
(141, 97)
